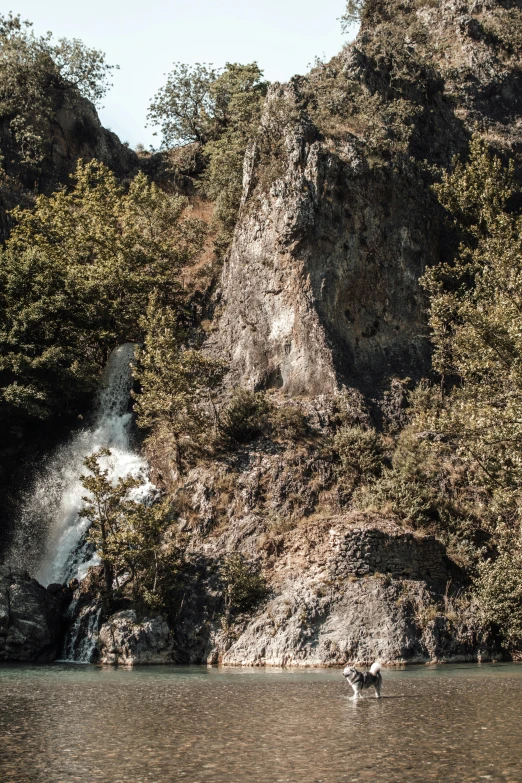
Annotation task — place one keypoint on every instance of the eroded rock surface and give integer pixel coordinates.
(30, 618)
(128, 641)
(338, 219)
(350, 588)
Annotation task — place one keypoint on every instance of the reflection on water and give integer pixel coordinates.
(62, 724)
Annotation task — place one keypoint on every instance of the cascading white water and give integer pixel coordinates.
(50, 531)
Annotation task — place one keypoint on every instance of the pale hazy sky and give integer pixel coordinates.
(144, 38)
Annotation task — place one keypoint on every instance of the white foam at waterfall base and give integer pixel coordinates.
(49, 528)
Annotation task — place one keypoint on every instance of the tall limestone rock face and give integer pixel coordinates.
(338, 219)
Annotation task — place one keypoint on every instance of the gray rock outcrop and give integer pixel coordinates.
(127, 641)
(30, 618)
(338, 220)
(350, 588)
(321, 284)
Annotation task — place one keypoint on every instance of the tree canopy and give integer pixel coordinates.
(128, 533)
(219, 110)
(177, 382)
(475, 315)
(199, 103)
(75, 278)
(353, 13)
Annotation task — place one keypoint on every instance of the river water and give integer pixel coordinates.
(82, 724)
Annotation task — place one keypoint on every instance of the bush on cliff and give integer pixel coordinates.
(246, 416)
(243, 584)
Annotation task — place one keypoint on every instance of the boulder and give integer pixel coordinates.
(128, 641)
(29, 618)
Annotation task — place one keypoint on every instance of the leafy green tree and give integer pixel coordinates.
(353, 13)
(199, 103)
(75, 278)
(220, 111)
(461, 465)
(476, 316)
(84, 68)
(129, 534)
(499, 590)
(239, 94)
(50, 354)
(177, 384)
(184, 107)
(106, 508)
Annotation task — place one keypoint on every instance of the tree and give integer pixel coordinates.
(177, 383)
(353, 13)
(107, 508)
(184, 107)
(238, 94)
(33, 71)
(219, 110)
(76, 277)
(476, 319)
(128, 533)
(84, 68)
(499, 590)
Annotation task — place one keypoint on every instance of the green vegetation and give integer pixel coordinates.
(131, 537)
(220, 111)
(100, 261)
(75, 277)
(32, 72)
(359, 453)
(243, 584)
(249, 414)
(353, 13)
(177, 384)
(455, 468)
(246, 416)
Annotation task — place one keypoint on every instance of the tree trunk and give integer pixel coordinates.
(108, 574)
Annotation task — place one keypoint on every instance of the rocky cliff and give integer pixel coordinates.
(71, 129)
(338, 222)
(320, 303)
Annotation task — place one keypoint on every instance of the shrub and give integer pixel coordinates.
(246, 417)
(499, 591)
(243, 584)
(289, 423)
(358, 453)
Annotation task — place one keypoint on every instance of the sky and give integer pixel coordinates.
(144, 38)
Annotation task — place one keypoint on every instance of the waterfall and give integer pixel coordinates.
(50, 539)
(80, 643)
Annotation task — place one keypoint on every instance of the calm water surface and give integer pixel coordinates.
(64, 724)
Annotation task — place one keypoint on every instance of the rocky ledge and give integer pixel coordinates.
(352, 588)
